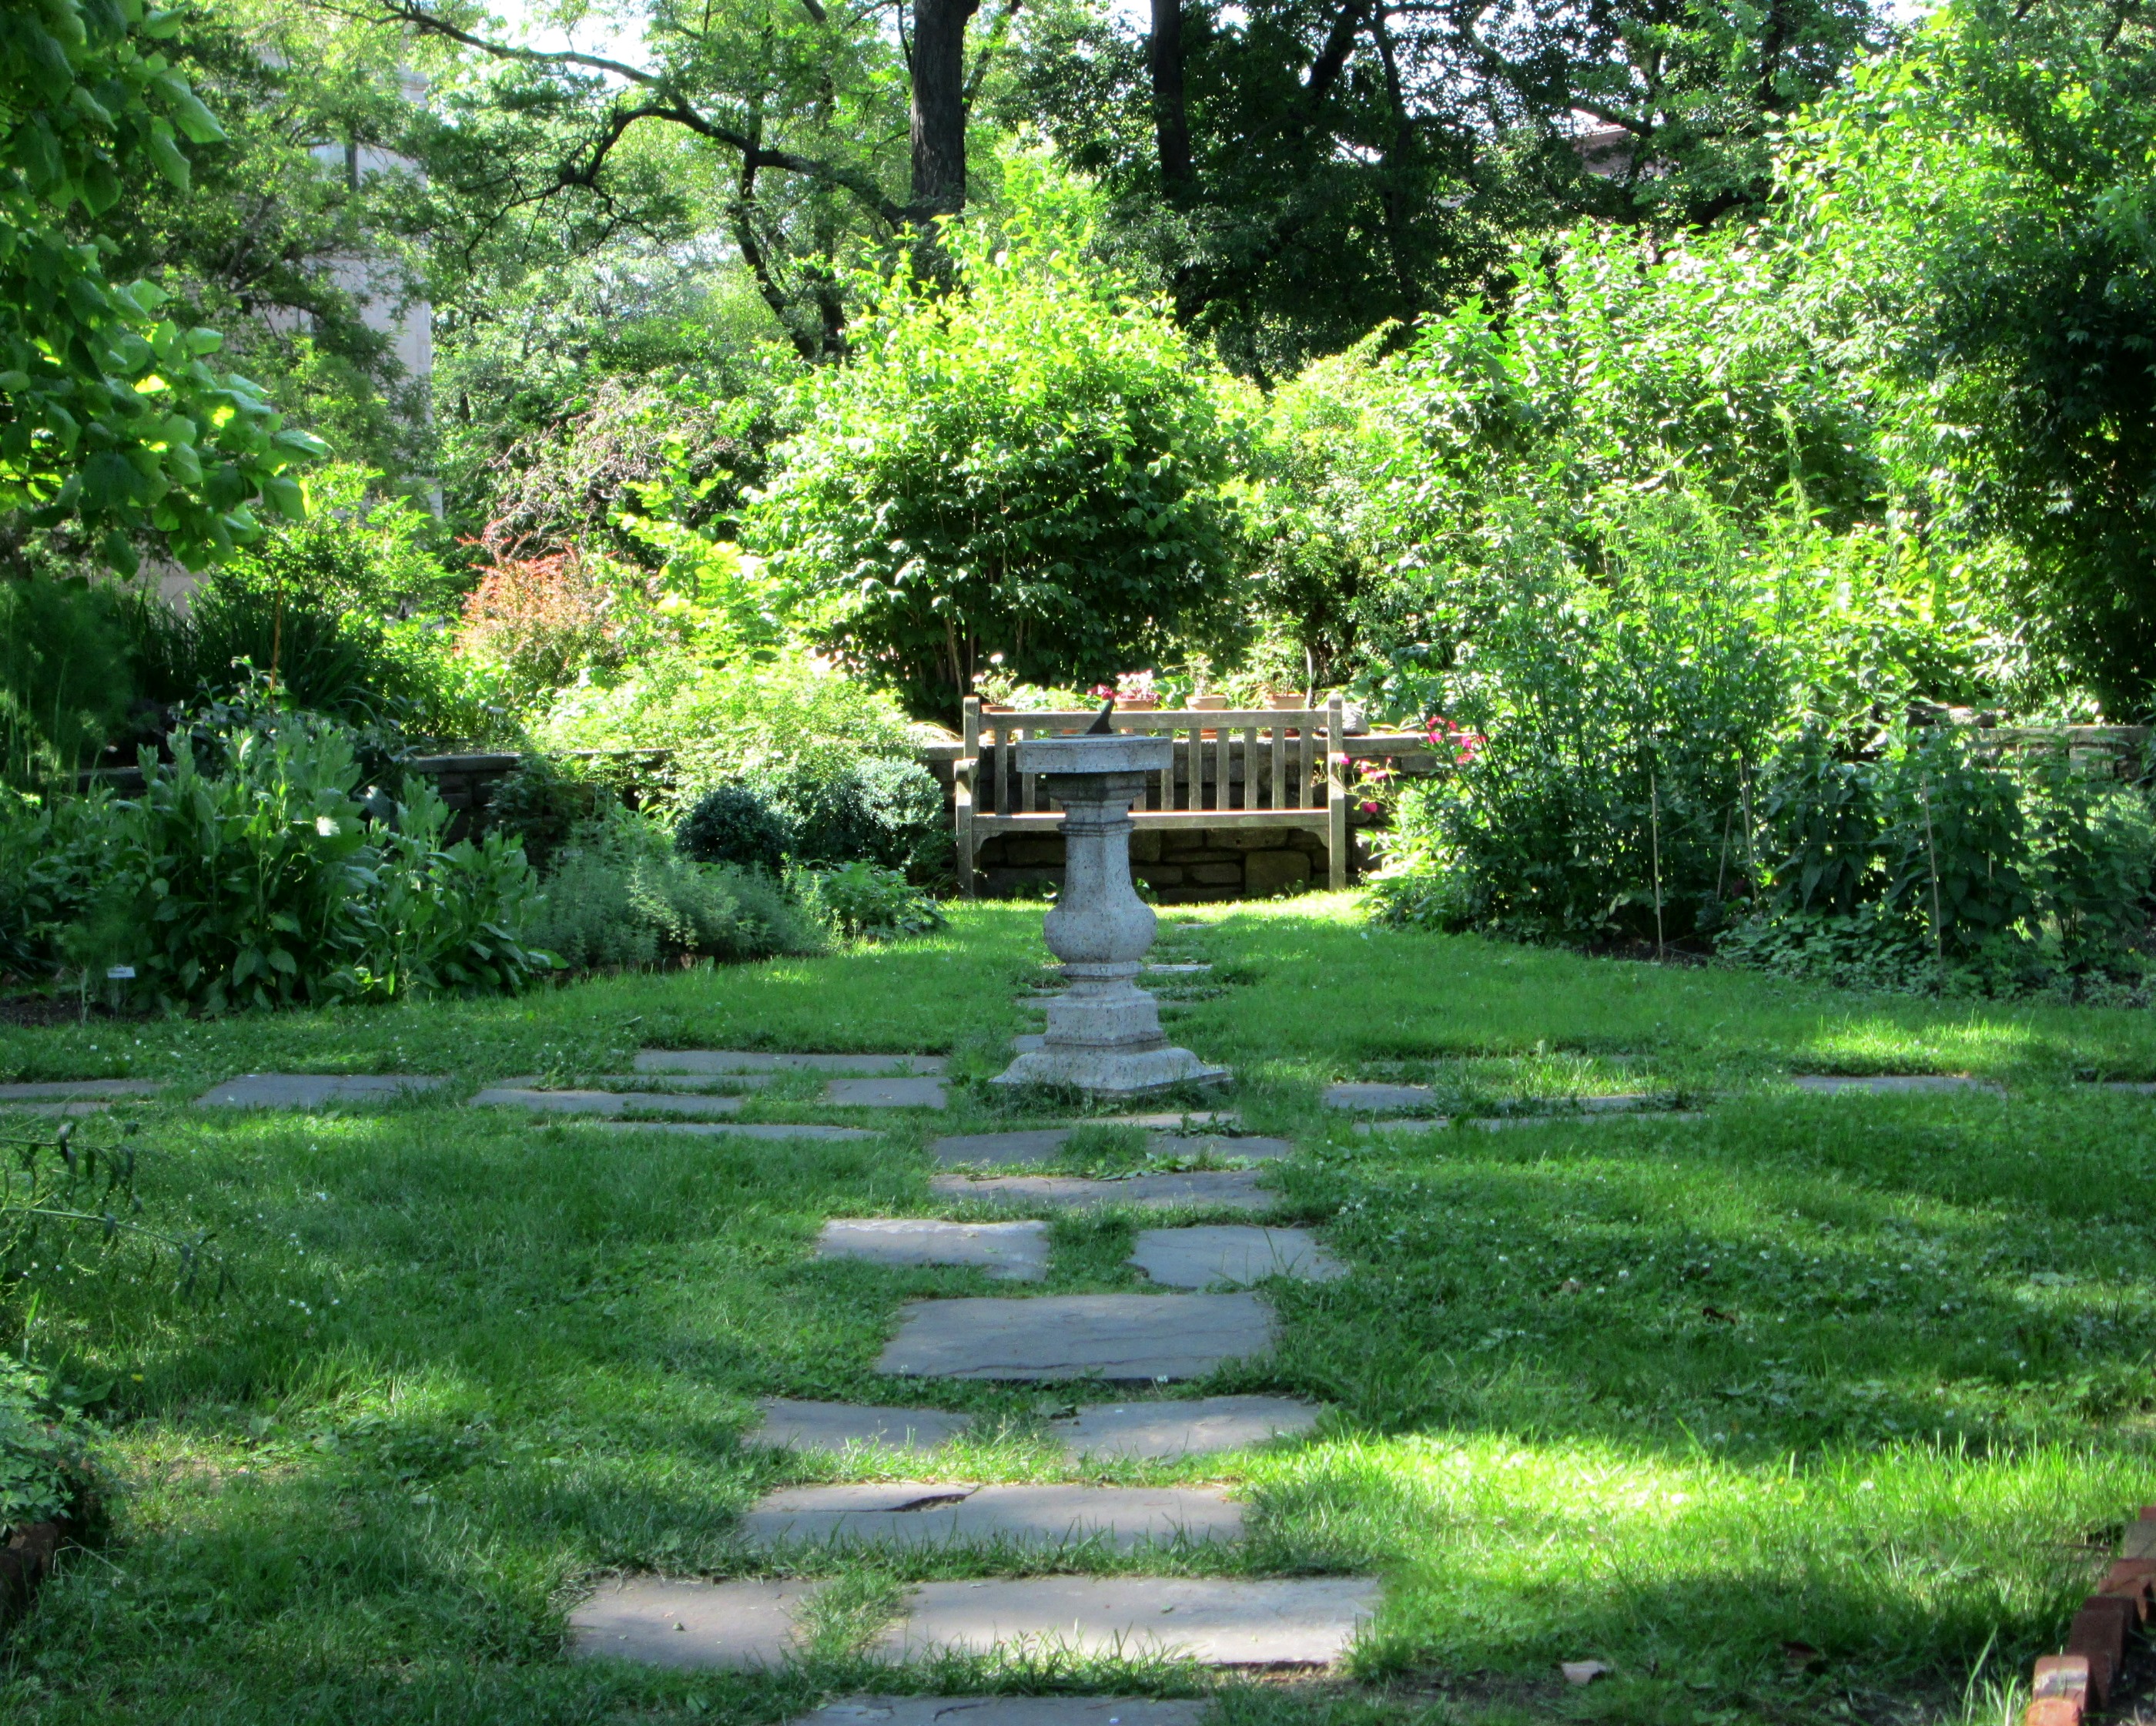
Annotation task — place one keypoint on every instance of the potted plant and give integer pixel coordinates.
(1136, 692)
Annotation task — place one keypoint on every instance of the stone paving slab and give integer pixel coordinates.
(1892, 1083)
(309, 1091)
(739, 1129)
(1193, 970)
(1004, 1711)
(605, 1102)
(1500, 1123)
(917, 1513)
(1054, 1337)
(1241, 1253)
(885, 1093)
(1309, 1621)
(838, 1425)
(90, 1106)
(732, 1626)
(674, 1083)
(1215, 1188)
(1379, 1097)
(72, 1090)
(1044, 1144)
(1009, 1252)
(1144, 1430)
(751, 1060)
(1224, 1120)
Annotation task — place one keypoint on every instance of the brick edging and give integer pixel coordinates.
(2067, 1685)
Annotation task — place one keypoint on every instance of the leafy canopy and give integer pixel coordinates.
(110, 415)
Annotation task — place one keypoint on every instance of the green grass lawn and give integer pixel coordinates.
(1789, 1411)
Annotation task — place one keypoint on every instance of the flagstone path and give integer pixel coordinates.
(1107, 1430)
(1013, 1252)
(1003, 1710)
(1107, 1336)
(76, 1090)
(1146, 1431)
(917, 1513)
(1231, 1252)
(739, 1129)
(1136, 1338)
(1210, 1190)
(1308, 1621)
(1888, 1084)
(749, 1060)
(311, 1091)
(1046, 1144)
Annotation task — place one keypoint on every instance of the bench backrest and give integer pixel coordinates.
(1239, 760)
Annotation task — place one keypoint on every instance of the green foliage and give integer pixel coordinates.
(1609, 725)
(880, 809)
(864, 901)
(66, 675)
(44, 1443)
(733, 824)
(1974, 216)
(790, 716)
(1037, 464)
(1932, 865)
(541, 802)
(110, 415)
(257, 879)
(619, 894)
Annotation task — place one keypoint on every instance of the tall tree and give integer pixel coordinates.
(796, 98)
(1302, 170)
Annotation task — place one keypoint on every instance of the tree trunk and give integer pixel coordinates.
(939, 106)
(1170, 117)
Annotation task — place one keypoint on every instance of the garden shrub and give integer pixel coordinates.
(621, 895)
(1039, 464)
(250, 874)
(1930, 864)
(757, 722)
(542, 622)
(540, 803)
(66, 679)
(880, 810)
(732, 824)
(863, 901)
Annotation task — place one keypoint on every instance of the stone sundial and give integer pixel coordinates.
(1104, 1035)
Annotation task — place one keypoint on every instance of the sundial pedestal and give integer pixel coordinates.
(1104, 1035)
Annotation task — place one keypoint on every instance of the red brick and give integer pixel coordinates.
(2099, 1632)
(2122, 1569)
(2053, 1711)
(2149, 1513)
(2061, 1675)
(2132, 1590)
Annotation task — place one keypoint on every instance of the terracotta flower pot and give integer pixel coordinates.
(1284, 699)
(1136, 704)
(1207, 704)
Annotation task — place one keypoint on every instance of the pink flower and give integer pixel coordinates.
(1340, 759)
(1370, 808)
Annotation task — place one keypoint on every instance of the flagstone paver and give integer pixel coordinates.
(1192, 970)
(1009, 1252)
(1052, 1337)
(1308, 1621)
(1213, 1189)
(309, 1091)
(88, 1106)
(750, 1061)
(605, 1102)
(1004, 1711)
(1140, 1430)
(671, 1083)
(739, 1129)
(1500, 1123)
(1044, 1144)
(914, 1513)
(885, 1093)
(1168, 1122)
(1890, 1083)
(77, 1090)
(1200, 1255)
(727, 1625)
(838, 1425)
(1379, 1096)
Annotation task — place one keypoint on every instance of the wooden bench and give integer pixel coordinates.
(1265, 768)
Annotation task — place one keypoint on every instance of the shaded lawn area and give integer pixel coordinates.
(1785, 1412)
